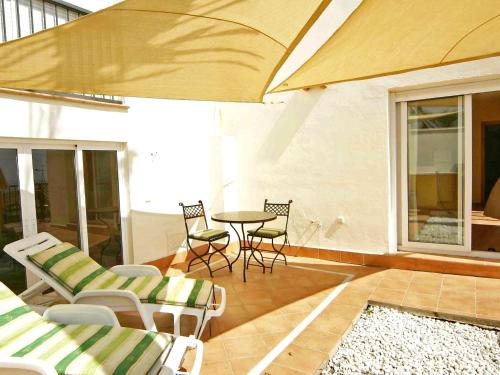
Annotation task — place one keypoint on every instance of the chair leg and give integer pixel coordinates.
(200, 257)
(252, 254)
(220, 251)
(279, 252)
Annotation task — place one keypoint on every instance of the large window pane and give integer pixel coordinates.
(11, 19)
(62, 15)
(436, 171)
(37, 15)
(103, 206)
(24, 17)
(11, 273)
(72, 15)
(55, 194)
(50, 15)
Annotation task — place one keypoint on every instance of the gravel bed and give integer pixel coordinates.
(388, 341)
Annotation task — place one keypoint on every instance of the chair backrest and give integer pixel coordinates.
(193, 211)
(279, 209)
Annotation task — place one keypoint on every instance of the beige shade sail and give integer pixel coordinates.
(223, 50)
(383, 37)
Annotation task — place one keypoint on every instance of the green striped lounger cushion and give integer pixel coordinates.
(76, 349)
(78, 272)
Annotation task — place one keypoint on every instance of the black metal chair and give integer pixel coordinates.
(197, 211)
(279, 209)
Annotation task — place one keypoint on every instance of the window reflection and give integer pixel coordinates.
(436, 171)
(55, 194)
(11, 273)
(103, 206)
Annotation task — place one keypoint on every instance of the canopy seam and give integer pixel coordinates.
(206, 17)
(466, 35)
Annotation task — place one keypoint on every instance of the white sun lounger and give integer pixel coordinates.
(84, 339)
(79, 279)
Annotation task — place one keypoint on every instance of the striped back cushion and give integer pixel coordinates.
(78, 272)
(76, 349)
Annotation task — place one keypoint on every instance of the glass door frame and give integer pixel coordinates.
(406, 244)
(27, 184)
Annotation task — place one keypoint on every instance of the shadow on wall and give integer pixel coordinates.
(293, 117)
(157, 235)
(39, 117)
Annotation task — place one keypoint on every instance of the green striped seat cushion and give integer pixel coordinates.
(78, 272)
(266, 232)
(209, 234)
(76, 349)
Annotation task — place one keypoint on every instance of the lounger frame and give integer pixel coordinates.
(117, 300)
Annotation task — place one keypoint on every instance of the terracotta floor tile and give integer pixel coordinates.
(272, 323)
(250, 346)
(424, 286)
(390, 296)
(273, 339)
(427, 277)
(300, 306)
(398, 275)
(330, 323)
(276, 369)
(317, 340)
(458, 283)
(243, 365)
(301, 359)
(255, 297)
(421, 301)
(457, 301)
(489, 306)
(233, 329)
(350, 297)
(394, 284)
(219, 368)
(213, 351)
(343, 310)
(486, 287)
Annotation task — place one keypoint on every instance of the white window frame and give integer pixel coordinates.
(396, 118)
(26, 184)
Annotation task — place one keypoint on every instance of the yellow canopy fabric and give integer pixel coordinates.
(383, 37)
(222, 50)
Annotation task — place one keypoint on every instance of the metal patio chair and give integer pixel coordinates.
(279, 209)
(197, 211)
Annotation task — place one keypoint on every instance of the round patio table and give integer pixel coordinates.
(242, 218)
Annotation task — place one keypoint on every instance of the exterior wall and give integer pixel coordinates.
(329, 150)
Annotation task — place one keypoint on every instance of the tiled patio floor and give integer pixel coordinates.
(263, 311)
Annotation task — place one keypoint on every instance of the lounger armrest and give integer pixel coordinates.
(82, 314)
(222, 305)
(181, 346)
(135, 270)
(117, 300)
(25, 365)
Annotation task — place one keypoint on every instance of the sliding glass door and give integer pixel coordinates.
(69, 191)
(434, 174)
